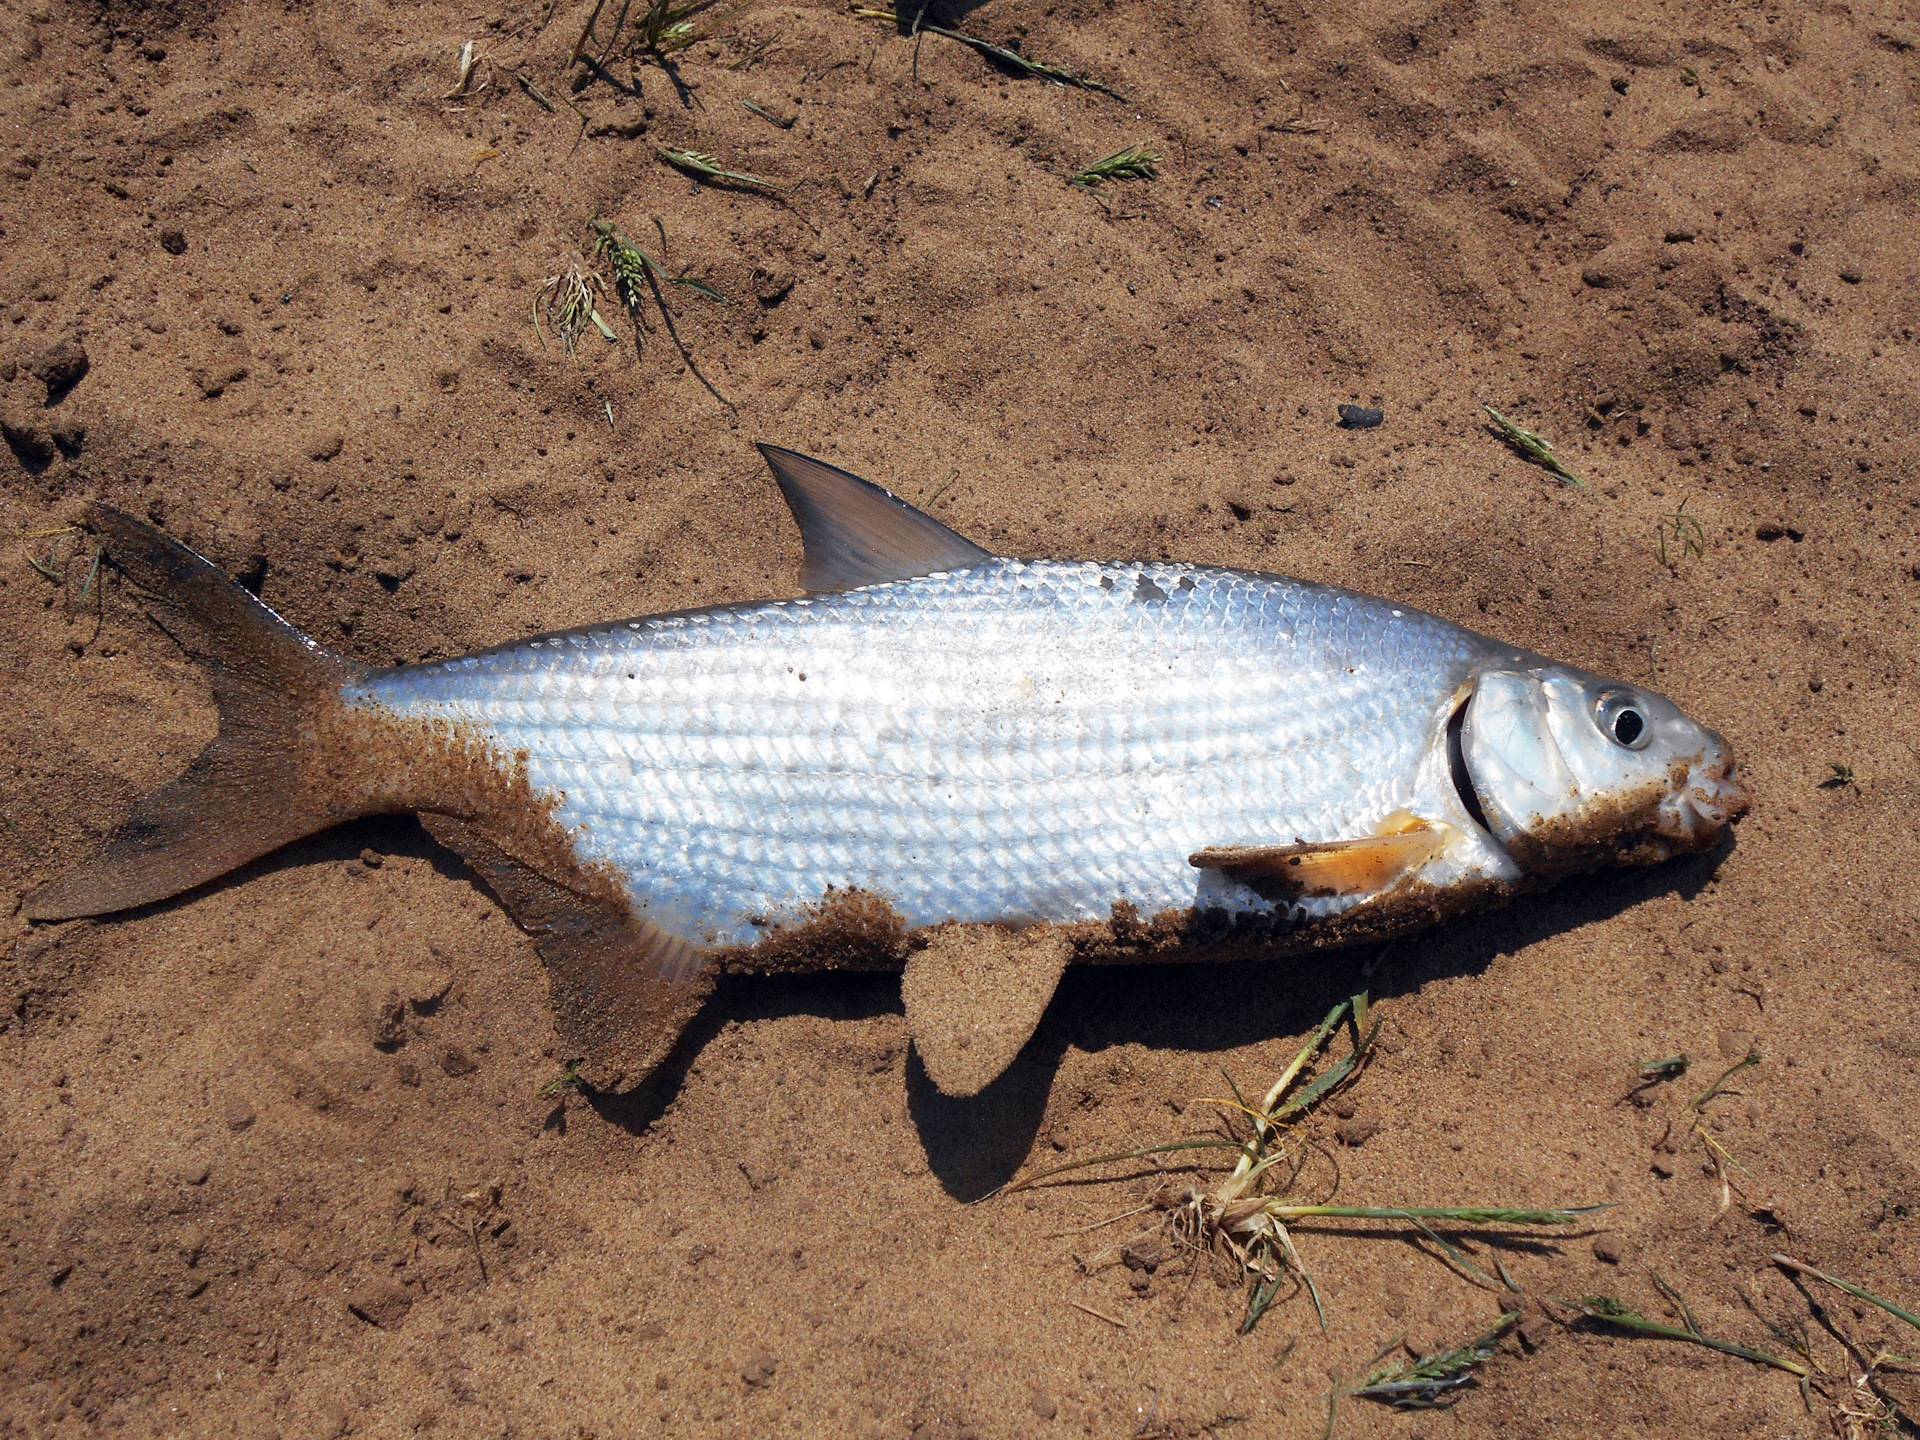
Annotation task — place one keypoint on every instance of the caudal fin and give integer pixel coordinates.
(252, 790)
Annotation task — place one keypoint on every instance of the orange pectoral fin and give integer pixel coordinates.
(1330, 867)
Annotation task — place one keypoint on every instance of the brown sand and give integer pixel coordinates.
(275, 1158)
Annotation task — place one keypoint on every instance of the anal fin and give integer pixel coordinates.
(622, 989)
(1402, 844)
(974, 996)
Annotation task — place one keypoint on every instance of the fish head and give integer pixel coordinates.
(1571, 771)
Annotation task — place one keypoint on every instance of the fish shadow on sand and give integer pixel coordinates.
(977, 1143)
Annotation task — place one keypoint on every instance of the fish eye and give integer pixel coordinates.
(1623, 720)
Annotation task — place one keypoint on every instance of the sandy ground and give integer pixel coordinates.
(244, 1194)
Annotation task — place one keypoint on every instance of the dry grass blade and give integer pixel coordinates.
(1682, 537)
(1615, 1314)
(462, 87)
(772, 117)
(1433, 1382)
(1800, 1267)
(533, 92)
(1721, 1157)
(1533, 447)
(67, 543)
(1009, 59)
(1136, 162)
(705, 167)
(1112, 1158)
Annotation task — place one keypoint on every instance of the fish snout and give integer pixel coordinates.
(1709, 797)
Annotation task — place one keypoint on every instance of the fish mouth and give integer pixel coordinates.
(1709, 798)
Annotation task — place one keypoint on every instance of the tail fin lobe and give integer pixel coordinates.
(250, 791)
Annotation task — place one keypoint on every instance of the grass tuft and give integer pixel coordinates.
(1136, 162)
(1533, 447)
(569, 304)
(1681, 536)
(637, 276)
(1246, 1216)
(661, 30)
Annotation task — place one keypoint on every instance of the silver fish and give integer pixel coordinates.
(977, 767)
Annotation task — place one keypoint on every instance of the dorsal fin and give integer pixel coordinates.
(857, 534)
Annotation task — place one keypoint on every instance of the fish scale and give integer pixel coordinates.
(1016, 741)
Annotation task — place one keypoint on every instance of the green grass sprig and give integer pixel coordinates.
(1615, 1314)
(1135, 162)
(702, 166)
(1533, 447)
(1434, 1382)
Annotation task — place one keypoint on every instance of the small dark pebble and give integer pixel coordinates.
(1851, 276)
(60, 366)
(213, 383)
(173, 240)
(1607, 1250)
(1358, 1131)
(772, 284)
(26, 433)
(388, 1027)
(620, 128)
(383, 1304)
(1148, 1253)
(1361, 417)
(456, 1063)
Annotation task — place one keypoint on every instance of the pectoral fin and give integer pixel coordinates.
(1329, 867)
(974, 997)
(622, 989)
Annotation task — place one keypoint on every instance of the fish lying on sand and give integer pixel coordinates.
(973, 767)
